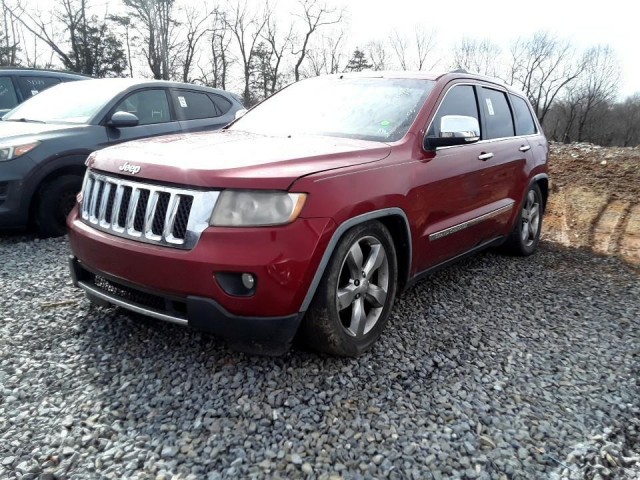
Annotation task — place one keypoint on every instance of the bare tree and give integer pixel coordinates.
(425, 43)
(628, 115)
(597, 85)
(326, 56)
(93, 49)
(542, 66)
(413, 53)
(246, 27)
(400, 45)
(314, 15)
(479, 56)
(377, 50)
(219, 60)
(155, 22)
(278, 44)
(9, 38)
(196, 21)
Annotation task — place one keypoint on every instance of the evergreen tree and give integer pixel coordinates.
(358, 62)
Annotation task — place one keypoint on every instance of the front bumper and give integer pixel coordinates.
(266, 335)
(15, 192)
(183, 282)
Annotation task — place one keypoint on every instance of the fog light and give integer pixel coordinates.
(237, 284)
(248, 281)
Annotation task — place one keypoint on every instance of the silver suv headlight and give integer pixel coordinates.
(246, 208)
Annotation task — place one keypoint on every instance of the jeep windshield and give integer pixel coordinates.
(378, 109)
(71, 102)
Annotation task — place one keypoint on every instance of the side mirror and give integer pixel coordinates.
(454, 130)
(240, 113)
(123, 119)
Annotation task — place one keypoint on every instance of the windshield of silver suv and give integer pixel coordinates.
(378, 109)
(73, 102)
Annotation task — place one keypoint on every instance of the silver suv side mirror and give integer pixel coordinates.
(454, 130)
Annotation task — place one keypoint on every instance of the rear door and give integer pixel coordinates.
(151, 106)
(199, 111)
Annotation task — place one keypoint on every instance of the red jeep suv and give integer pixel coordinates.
(308, 215)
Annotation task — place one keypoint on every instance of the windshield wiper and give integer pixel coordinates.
(29, 120)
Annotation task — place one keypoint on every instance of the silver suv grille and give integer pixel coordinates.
(148, 213)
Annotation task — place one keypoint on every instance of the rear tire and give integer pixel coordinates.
(525, 236)
(55, 201)
(354, 299)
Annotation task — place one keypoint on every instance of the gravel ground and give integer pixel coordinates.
(495, 368)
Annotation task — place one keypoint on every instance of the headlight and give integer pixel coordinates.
(10, 150)
(236, 208)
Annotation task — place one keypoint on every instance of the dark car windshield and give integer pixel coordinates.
(379, 109)
(72, 102)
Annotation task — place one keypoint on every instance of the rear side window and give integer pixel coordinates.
(150, 106)
(524, 121)
(222, 104)
(193, 105)
(31, 86)
(460, 100)
(499, 122)
(8, 98)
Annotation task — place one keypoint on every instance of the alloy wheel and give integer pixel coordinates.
(530, 219)
(363, 286)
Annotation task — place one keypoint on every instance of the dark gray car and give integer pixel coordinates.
(45, 141)
(20, 84)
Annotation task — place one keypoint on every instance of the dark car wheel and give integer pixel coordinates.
(525, 236)
(55, 201)
(354, 299)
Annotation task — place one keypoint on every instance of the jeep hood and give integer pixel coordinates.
(232, 159)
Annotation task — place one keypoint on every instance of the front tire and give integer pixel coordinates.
(55, 201)
(525, 236)
(354, 299)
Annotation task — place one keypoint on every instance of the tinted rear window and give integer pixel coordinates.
(497, 114)
(193, 105)
(524, 121)
(8, 97)
(223, 105)
(31, 86)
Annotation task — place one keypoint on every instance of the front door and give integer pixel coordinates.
(151, 106)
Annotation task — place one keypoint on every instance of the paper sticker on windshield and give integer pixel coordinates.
(385, 123)
(34, 93)
(490, 106)
(183, 102)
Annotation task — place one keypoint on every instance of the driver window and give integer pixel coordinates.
(150, 106)
(459, 100)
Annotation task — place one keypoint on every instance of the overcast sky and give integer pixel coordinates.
(584, 23)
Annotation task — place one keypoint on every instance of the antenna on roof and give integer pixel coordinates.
(459, 70)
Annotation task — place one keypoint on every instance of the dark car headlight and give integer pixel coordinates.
(10, 150)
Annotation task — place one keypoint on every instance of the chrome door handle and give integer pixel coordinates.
(485, 156)
(524, 148)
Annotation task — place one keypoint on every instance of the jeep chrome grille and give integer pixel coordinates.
(148, 213)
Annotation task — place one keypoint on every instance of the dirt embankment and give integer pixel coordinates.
(595, 199)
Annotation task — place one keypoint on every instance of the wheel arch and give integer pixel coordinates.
(71, 166)
(542, 180)
(395, 220)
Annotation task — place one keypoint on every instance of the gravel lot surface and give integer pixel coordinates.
(496, 368)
